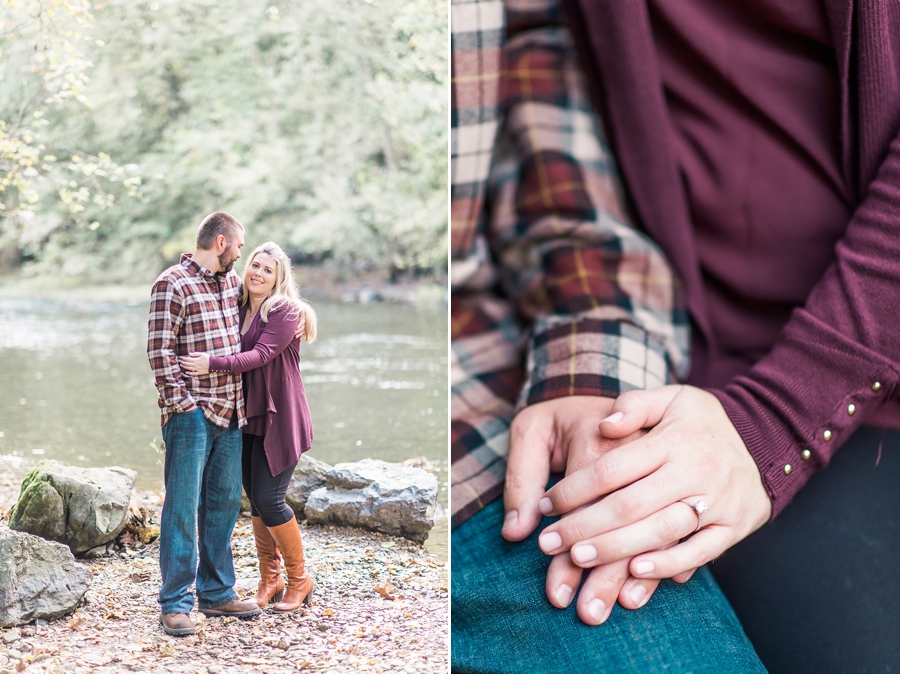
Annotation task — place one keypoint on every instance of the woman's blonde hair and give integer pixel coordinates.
(285, 292)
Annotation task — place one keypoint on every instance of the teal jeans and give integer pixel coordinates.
(501, 621)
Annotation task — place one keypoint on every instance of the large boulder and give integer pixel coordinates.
(41, 579)
(309, 475)
(79, 507)
(387, 497)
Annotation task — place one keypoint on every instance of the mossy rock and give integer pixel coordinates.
(78, 507)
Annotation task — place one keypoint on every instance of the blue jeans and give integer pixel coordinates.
(502, 621)
(203, 498)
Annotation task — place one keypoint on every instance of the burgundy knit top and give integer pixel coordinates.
(758, 143)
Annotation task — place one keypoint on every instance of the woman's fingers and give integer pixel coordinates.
(620, 509)
(603, 475)
(638, 409)
(702, 547)
(661, 529)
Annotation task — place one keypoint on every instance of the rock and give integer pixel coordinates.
(368, 295)
(11, 637)
(309, 475)
(80, 507)
(370, 494)
(41, 579)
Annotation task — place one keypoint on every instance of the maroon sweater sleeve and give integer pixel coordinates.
(276, 334)
(836, 359)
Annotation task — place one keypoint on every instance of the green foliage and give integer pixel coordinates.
(320, 124)
(44, 66)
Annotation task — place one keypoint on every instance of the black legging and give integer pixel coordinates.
(265, 491)
(817, 589)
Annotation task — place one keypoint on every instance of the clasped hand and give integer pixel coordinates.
(622, 518)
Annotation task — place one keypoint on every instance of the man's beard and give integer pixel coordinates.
(226, 262)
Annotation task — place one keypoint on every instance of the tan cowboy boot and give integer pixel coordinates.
(271, 584)
(300, 583)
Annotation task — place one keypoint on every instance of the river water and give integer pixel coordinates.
(75, 386)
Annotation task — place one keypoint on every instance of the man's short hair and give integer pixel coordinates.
(215, 224)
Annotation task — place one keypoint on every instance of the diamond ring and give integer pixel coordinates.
(699, 507)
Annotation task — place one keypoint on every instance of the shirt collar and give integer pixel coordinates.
(187, 261)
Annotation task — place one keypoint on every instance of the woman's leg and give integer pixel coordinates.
(246, 463)
(503, 623)
(271, 583)
(269, 492)
(817, 589)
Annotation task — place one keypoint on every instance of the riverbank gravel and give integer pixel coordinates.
(380, 605)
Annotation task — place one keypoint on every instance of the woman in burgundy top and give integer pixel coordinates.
(278, 426)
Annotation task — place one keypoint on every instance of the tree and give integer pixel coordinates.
(321, 124)
(45, 66)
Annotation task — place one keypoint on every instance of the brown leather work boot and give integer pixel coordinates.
(176, 624)
(239, 608)
(271, 583)
(300, 583)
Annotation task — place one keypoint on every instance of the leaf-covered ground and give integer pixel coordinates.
(380, 605)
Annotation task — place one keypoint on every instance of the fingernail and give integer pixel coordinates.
(511, 518)
(545, 505)
(613, 418)
(644, 567)
(638, 595)
(550, 541)
(584, 553)
(563, 595)
(597, 609)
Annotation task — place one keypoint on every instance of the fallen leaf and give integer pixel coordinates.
(385, 589)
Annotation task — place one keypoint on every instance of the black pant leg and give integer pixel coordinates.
(818, 590)
(268, 490)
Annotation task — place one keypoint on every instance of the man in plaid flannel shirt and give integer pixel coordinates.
(194, 307)
(559, 305)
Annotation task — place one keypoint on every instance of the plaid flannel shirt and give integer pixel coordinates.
(192, 309)
(554, 292)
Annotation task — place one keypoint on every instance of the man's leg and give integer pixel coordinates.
(502, 621)
(187, 446)
(220, 504)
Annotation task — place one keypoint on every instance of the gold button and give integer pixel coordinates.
(876, 386)
(826, 435)
(851, 409)
(806, 454)
(787, 469)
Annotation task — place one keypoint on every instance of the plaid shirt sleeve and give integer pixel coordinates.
(537, 211)
(167, 313)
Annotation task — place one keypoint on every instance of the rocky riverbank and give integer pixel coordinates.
(380, 605)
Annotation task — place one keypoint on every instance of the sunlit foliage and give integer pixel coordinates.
(318, 123)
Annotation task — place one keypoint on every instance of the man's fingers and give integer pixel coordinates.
(636, 592)
(638, 409)
(599, 592)
(683, 577)
(563, 579)
(527, 472)
(702, 547)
